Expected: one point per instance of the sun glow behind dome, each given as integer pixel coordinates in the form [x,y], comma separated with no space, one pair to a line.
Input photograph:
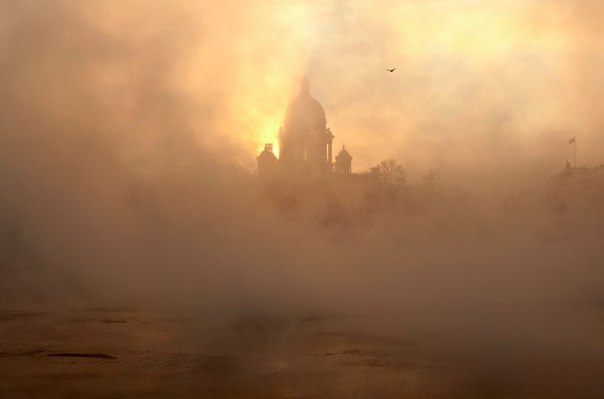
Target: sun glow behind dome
[269,134]
[459,64]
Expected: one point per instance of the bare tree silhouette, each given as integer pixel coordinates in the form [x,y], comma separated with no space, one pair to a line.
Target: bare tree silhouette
[391,176]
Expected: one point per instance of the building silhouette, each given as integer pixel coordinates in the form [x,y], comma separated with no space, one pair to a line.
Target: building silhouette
[579,187]
[305,141]
[267,161]
[343,165]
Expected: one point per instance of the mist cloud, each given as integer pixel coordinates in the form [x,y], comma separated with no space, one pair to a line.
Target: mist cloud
[128,136]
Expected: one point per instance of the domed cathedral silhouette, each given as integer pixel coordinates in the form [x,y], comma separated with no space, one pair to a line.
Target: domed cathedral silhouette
[305,141]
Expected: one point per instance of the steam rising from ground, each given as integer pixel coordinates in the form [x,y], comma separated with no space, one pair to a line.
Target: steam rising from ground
[128,130]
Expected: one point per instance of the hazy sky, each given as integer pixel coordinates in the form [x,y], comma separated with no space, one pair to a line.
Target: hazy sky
[125,126]
[483,89]
[492,85]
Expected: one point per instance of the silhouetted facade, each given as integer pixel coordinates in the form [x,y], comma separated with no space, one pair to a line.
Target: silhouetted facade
[305,141]
[578,194]
[343,165]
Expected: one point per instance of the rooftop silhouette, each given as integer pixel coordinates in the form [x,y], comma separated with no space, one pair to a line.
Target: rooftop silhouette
[305,141]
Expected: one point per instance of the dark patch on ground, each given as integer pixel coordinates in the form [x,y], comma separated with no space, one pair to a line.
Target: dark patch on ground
[85,355]
[374,340]
[350,352]
[22,353]
[104,321]
[113,321]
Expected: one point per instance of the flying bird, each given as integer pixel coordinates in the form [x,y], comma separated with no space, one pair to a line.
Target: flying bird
[391,70]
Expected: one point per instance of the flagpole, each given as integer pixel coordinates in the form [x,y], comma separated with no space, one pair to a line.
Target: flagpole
[575,151]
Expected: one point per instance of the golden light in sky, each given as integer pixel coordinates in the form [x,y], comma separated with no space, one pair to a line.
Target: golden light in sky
[453,250]
[464,68]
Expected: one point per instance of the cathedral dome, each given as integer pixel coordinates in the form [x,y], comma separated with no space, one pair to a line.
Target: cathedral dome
[343,155]
[304,114]
[304,139]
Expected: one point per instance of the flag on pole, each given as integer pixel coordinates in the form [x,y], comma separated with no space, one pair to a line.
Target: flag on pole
[573,141]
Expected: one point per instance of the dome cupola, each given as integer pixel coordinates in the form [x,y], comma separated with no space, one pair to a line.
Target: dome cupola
[343,163]
[304,113]
[305,139]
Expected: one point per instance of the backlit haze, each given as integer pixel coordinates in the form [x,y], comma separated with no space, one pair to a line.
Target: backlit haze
[129,131]
[499,84]
[496,86]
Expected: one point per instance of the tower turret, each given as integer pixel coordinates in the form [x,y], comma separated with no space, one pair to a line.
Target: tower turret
[343,165]
[267,161]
